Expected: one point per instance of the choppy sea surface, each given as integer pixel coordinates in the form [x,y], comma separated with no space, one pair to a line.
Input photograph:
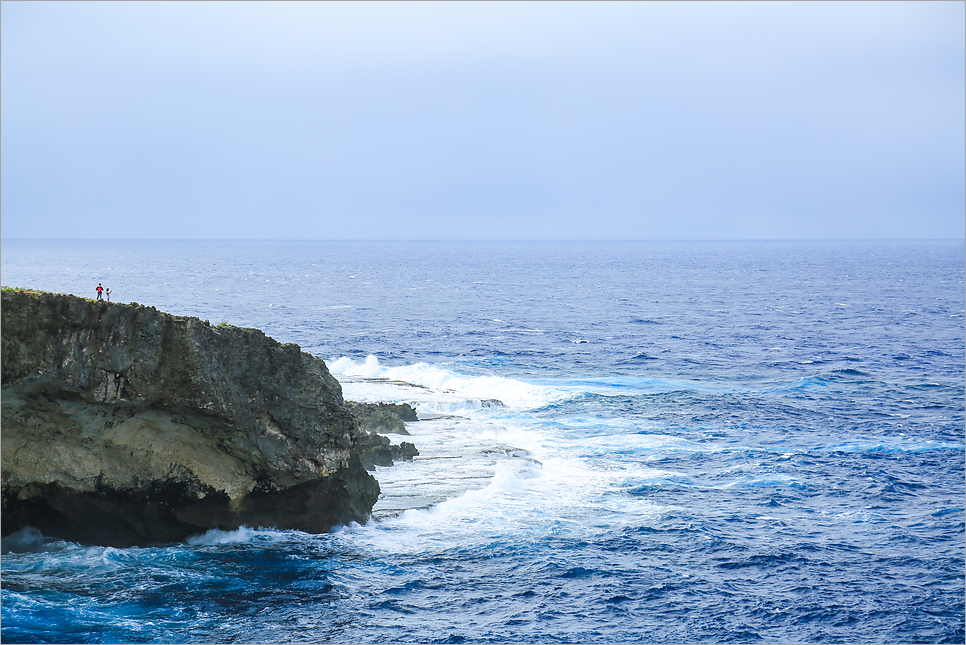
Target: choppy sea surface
[619,442]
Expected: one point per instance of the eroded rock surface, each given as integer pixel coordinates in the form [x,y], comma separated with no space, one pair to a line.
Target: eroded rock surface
[383,418]
[378,419]
[123,425]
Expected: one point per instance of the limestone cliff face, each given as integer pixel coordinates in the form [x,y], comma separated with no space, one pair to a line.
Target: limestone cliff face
[124,425]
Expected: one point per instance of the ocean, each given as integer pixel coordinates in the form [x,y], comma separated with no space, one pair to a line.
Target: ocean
[651,442]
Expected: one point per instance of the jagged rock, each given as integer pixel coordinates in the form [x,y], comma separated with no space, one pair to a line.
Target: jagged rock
[376,450]
[383,418]
[123,425]
[405,451]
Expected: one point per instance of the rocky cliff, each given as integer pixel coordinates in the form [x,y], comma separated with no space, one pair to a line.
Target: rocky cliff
[123,425]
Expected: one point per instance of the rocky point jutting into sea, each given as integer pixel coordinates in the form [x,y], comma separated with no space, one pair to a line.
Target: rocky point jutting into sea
[123,425]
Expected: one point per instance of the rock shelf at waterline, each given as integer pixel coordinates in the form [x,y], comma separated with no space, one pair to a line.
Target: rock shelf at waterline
[123,426]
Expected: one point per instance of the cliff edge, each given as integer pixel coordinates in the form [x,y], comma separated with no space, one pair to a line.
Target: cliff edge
[123,425]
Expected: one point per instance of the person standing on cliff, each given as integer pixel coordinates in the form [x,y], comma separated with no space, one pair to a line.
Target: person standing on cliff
[100,289]
[107,292]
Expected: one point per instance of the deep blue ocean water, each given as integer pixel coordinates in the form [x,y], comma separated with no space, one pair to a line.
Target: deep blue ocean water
[698,442]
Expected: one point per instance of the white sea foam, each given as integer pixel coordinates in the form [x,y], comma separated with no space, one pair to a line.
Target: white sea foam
[476,478]
[520,497]
[452,391]
[214,536]
[508,480]
[487,469]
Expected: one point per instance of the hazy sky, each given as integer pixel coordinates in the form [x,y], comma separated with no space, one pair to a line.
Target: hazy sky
[483,120]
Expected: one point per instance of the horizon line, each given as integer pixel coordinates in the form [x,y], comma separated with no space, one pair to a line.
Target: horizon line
[467,239]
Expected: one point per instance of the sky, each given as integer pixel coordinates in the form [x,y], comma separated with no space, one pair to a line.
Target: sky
[478,120]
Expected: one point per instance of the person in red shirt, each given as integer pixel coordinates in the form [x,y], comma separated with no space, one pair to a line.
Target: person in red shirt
[100,289]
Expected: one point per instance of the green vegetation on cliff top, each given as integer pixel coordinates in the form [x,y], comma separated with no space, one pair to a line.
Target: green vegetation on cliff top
[28,290]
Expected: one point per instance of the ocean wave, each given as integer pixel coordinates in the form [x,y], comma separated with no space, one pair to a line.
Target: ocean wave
[214,536]
[460,391]
[894,446]
[26,539]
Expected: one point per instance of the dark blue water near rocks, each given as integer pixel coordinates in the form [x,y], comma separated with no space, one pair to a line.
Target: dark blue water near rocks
[698,442]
